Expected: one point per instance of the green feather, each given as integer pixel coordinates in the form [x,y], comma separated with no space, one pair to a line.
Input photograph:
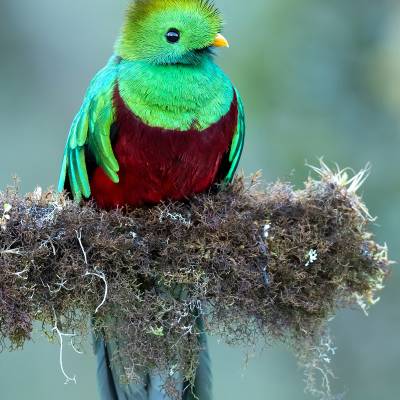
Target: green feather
[72,136]
[75,187]
[82,130]
[238,141]
[91,129]
[140,37]
[80,162]
[174,97]
[63,174]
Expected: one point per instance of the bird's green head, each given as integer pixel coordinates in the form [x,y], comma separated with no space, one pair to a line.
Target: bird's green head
[170,31]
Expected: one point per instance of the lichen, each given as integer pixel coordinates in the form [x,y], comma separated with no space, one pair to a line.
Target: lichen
[274,264]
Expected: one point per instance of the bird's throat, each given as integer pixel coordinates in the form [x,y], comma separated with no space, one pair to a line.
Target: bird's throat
[178,97]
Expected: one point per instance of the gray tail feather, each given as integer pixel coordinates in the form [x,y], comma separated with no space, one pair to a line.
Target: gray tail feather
[202,389]
[105,379]
[110,388]
[108,380]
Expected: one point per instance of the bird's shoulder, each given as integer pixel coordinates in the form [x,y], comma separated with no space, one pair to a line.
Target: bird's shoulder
[103,82]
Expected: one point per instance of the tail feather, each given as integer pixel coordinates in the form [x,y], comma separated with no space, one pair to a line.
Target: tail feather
[105,379]
[110,388]
[108,380]
[156,389]
[202,389]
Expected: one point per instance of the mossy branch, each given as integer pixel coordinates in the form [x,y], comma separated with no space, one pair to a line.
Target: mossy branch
[275,264]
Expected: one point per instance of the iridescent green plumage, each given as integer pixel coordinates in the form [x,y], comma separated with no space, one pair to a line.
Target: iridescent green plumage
[142,35]
[91,127]
[238,141]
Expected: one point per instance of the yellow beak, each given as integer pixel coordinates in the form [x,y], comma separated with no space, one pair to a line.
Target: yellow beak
[220,41]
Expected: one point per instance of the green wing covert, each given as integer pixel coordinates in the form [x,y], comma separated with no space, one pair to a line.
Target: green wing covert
[91,128]
[238,141]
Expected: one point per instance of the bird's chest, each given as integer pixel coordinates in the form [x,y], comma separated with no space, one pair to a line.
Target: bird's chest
[158,164]
[175,97]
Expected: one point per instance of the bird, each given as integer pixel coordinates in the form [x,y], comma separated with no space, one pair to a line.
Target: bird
[161,121]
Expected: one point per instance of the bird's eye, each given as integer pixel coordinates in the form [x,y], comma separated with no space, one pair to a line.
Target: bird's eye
[173,35]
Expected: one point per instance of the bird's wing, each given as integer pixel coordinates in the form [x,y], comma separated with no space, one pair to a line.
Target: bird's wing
[237,142]
[90,130]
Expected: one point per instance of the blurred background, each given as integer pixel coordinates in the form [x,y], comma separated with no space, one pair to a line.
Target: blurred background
[318,78]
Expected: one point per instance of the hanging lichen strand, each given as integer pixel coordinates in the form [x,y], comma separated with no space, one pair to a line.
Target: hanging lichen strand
[273,264]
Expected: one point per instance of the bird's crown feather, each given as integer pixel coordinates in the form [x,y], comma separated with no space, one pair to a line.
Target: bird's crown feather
[139,9]
[169,31]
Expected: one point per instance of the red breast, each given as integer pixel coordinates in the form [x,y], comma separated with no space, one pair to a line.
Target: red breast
[159,164]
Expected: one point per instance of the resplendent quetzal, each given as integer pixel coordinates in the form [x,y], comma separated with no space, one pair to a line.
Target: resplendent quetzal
[161,121]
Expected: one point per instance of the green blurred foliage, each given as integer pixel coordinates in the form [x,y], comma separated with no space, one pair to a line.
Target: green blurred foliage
[318,78]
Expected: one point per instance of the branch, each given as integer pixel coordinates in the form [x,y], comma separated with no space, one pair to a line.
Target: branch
[275,263]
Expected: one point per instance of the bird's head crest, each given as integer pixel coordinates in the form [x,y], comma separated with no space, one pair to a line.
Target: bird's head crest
[170,31]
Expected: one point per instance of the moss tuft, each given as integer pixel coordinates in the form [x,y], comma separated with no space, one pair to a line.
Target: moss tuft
[275,264]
